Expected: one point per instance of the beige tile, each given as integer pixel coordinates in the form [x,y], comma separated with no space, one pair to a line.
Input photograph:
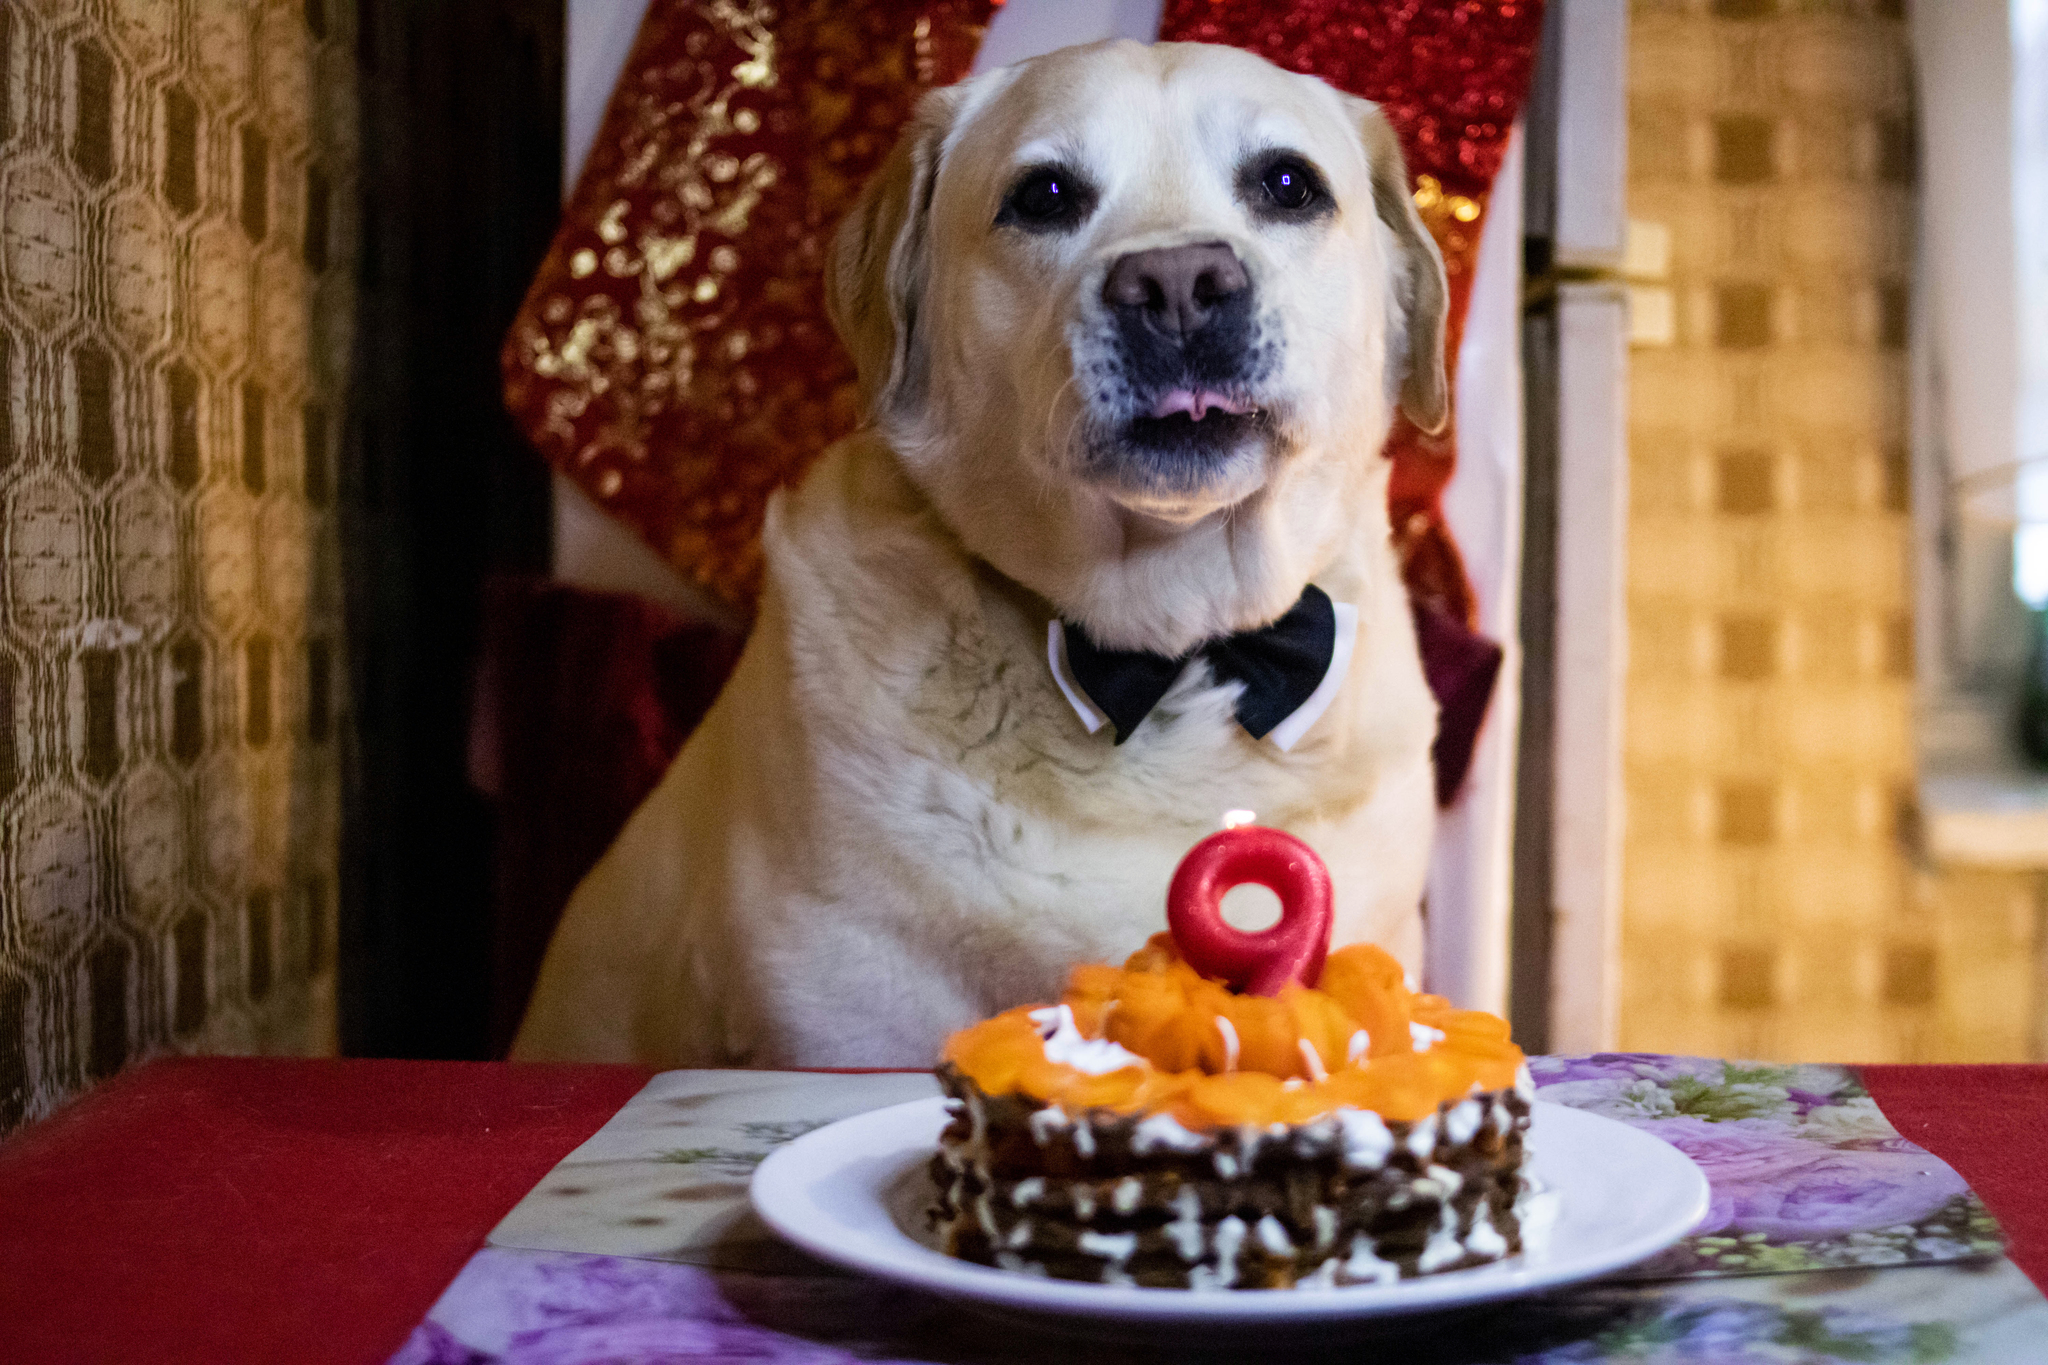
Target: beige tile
[1847,229]
[1848,64]
[1770,909]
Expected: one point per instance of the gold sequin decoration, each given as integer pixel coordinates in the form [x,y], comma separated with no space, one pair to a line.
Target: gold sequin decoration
[673,356]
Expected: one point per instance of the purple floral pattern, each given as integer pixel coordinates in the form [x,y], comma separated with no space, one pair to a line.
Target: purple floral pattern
[541,1309]
[1806,1172]
[560,1308]
[1735,1332]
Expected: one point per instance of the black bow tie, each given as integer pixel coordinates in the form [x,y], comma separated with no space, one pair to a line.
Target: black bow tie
[1281,665]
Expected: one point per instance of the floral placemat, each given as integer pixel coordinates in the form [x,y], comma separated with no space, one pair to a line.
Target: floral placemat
[1806,1171]
[666,1177]
[1831,1240]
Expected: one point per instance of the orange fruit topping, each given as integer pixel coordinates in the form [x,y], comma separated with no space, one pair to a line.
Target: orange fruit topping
[1210,1057]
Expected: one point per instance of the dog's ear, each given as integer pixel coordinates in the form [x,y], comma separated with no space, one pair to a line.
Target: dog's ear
[876,272]
[1421,297]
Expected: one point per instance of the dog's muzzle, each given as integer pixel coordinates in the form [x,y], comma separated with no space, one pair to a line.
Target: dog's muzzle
[1191,359]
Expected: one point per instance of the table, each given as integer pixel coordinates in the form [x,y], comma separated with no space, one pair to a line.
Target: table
[225,1209]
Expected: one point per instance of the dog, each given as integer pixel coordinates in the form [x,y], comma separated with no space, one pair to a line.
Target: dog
[1131,323]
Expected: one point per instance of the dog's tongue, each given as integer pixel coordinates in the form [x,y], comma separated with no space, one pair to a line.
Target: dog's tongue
[1196,403]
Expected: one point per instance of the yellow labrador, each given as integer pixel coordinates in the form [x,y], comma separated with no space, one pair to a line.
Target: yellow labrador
[1131,325]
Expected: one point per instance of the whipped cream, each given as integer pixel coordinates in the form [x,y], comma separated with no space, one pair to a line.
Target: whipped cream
[1066,1046]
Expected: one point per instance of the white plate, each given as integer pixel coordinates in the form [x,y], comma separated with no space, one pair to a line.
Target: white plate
[855,1193]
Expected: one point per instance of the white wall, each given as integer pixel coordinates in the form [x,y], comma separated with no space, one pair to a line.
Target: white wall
[1472,865]
[2030,262]
[600,35]
[1587,796]
[1591,639]
[1965,358]
[1026,28]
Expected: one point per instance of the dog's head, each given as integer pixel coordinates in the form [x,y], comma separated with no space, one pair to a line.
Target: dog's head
[1137,319]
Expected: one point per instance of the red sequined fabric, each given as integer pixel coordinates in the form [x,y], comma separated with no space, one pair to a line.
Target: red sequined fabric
[673,355]
[1451,76]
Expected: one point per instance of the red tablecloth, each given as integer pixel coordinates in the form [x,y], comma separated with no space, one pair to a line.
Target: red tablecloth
[1991,1124]
[226,1210]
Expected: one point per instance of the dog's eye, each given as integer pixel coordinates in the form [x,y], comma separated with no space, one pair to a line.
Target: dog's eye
[1290,184]
[1049,198]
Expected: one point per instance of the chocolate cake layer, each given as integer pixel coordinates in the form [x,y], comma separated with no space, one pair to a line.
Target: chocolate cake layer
[1345,1199]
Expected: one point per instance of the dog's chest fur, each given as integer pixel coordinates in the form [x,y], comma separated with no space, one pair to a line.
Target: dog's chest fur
[892,825]
[971,818]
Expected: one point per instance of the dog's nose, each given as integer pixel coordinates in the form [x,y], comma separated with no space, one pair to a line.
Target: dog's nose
[1175,288]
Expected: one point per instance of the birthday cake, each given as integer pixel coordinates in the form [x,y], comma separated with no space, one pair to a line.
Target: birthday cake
[1159,1127]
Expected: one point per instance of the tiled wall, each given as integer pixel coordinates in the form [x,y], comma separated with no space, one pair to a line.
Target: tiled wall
[1771,906]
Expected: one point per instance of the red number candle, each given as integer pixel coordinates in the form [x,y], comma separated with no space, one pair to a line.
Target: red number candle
[1261,963]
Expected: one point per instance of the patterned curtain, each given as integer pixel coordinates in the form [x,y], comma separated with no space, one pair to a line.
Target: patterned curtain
[175,310]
